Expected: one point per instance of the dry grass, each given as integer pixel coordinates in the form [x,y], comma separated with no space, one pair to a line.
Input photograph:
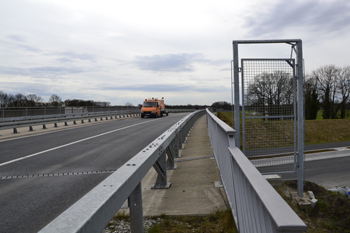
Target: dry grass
[331,213]
[316,131]
[217,222]
[323,131]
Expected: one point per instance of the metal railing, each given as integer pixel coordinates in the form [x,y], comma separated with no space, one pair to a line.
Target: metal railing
[10,112]
[93,211]
[30,121]
[255,205]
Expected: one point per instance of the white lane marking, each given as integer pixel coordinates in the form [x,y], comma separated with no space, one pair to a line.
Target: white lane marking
[72,128]
[85,139]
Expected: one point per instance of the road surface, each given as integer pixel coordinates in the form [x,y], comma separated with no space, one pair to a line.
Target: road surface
[42,175]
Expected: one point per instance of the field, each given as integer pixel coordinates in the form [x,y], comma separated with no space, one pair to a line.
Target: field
[316,131]
[320,117]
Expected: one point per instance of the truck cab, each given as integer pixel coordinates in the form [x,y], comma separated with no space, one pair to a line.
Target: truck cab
[153,107]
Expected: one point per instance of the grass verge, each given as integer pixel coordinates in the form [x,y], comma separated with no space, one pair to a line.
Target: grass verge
[316,131]
[219,221]
[331,213]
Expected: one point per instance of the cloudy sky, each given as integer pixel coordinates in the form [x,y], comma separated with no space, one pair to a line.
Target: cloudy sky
[125,51]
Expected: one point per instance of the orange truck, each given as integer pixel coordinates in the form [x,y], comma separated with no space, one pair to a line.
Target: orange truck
[153,108]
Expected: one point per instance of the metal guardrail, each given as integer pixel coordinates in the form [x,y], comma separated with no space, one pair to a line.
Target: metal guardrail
[30,121]
[8,112]
[255,205]
[181,110]
[93,211]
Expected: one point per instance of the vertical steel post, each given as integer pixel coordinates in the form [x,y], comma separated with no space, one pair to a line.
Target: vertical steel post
[236,88]
[232,92]
[300,119]
[243,108]
[160,166]
[170,162]
[136,213]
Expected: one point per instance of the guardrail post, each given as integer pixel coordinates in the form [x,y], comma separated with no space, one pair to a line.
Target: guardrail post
[44,126]
[160,166]
[175,146]
[65,123]
[55,125]
[31,128]
[15,130]
[170,162]
[136,213]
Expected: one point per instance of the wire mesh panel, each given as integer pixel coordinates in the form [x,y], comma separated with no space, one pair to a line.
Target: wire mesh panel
[269,111]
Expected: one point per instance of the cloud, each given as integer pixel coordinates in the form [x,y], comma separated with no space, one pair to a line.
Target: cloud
[19,41]
[315,16]
[40,71]
[174,62]
[163,88]
[17,38]
[168,62]
[70,56]
[29,48]
[64,59]
[80,56]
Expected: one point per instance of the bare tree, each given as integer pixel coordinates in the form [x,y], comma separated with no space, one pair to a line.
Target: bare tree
[34,100]
[311,98]
[327,77]
[129,104]
[55,100]
[3,97]
[20,100]
[343,84]
[271,92]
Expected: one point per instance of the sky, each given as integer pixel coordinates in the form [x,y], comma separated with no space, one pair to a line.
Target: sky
[126,51]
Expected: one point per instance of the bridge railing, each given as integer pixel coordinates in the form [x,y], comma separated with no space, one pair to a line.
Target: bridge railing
[93,211]
[255,205]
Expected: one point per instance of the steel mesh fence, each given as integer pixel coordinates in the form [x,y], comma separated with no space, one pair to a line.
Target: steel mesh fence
[269,111]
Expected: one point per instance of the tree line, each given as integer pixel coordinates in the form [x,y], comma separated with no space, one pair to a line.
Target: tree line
[326,88]
[33,100]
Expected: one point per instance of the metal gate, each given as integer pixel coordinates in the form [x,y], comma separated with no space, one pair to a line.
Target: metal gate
[269,115]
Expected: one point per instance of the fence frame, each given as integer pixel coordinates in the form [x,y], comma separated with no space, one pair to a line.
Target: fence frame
[297,48]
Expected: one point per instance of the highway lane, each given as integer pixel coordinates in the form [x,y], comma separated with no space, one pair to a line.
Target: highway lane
[57,178]
[326,172]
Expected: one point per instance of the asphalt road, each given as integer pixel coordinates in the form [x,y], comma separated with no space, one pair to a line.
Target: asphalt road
[43,175]
[326,172]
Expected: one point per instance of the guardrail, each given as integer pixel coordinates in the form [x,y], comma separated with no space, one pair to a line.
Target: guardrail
[181,110]
[8,112]
[255,205]
[30,121]
[93,211]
